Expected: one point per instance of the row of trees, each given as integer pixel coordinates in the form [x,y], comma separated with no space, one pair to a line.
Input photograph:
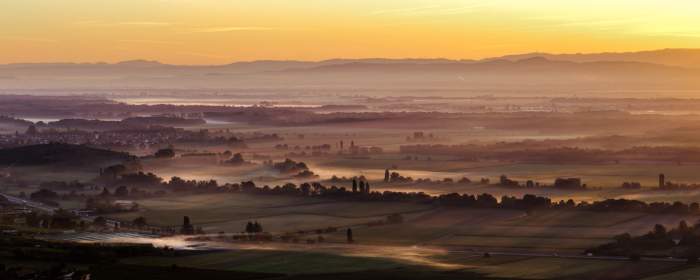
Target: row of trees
[188,228]
[363,186]
[680,242]
[395,177]
[564,153]
[361,191]
[253,227]
[526,202]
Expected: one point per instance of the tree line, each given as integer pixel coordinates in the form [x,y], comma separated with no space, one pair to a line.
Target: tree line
[362,192]
[680,242]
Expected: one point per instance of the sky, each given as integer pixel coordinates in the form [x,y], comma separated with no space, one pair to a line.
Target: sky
[224,31]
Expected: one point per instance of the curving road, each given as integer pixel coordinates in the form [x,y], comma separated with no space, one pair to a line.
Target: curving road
[28,203]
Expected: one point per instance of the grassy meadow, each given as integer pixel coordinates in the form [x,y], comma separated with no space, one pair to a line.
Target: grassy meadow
[424,225]
[230,212]
[295,262]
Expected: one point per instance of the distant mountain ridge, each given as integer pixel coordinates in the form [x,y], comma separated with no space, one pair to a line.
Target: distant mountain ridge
[670,69]
[688,58]
[535,63]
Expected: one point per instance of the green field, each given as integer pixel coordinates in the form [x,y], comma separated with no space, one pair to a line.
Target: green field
[691,273]
[230,212]
[287,262]
[553,230]
[558,268]
[559,231]
[495,267]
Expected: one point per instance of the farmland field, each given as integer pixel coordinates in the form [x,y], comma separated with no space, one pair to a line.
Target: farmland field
[563,231]
[230,212]
[691,273]
[558,268]
[288,262]
[315,260]
[551,230]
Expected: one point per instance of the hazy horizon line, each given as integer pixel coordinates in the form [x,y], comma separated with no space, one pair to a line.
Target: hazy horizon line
[144,60]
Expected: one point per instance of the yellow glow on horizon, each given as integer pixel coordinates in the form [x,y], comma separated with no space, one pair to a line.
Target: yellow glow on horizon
[223,31]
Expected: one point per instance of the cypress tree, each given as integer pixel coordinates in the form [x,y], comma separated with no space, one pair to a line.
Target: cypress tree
[187,227]
[258,227]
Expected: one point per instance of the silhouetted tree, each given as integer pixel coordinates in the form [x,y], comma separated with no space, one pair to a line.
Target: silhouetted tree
[139,222]
[237,159]
[386,175]
[683,227]
[305,189]
[187,227]
[44,194]
[354,185]
[694,207]
[121,191]
[659,231]
[105,192]
[257,227]
[31,130]
[249,227]
[253,227]
[348,234]
[165,153]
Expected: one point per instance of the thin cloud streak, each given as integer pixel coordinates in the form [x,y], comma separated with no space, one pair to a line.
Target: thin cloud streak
[145,23]
[431,10]
[28,39]
[560,22]
[124,23]
[234,28]
[150,42]
[404,10]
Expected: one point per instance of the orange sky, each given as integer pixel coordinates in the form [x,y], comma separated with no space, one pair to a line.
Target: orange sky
[223,31]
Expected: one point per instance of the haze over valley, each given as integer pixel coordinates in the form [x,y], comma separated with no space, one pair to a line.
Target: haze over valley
[413,139]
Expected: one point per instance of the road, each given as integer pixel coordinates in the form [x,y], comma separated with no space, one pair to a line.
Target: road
[40,207]
[28,203]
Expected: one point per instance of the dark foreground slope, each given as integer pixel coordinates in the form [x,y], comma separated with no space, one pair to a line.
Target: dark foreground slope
[135,272]
[56,153]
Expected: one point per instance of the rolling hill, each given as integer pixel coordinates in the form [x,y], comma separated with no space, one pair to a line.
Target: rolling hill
[63,154]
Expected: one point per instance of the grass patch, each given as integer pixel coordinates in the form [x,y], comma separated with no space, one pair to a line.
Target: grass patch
[287,262]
